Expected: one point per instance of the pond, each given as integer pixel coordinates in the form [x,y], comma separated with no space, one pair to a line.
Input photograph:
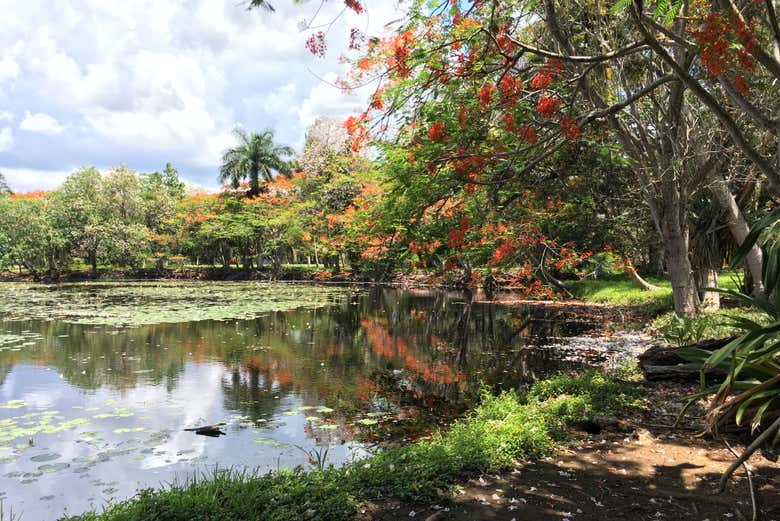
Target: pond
[98,381]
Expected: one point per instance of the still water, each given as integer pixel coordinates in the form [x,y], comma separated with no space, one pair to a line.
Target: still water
[98,381]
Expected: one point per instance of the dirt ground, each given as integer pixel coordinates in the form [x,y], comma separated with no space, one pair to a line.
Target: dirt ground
[646,471]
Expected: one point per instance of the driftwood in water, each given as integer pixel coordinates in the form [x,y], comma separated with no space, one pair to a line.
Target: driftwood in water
[213,431]
[661,362]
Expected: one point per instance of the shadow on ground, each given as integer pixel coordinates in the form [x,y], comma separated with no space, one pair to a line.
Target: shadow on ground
[638,476]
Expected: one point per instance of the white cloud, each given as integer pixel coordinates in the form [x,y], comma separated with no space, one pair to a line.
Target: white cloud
[6,116]
[146,82]
[325,99]
[41,123]
[25,179]
[6,139]
[9,69]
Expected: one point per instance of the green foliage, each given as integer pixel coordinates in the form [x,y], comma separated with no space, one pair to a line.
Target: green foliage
[685,330]
[713,324]
[500,431]
[751,360]
[29,236]
[4,188]
[592,393]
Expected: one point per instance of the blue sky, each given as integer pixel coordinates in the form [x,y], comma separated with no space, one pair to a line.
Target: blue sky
[145,82]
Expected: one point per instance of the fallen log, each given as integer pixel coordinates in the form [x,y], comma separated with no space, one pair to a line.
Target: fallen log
[662,362]
[679,371]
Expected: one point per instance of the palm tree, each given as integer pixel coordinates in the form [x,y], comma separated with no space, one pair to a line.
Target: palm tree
[255,155]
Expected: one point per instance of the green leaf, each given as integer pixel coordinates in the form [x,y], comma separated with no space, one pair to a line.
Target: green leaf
[620,6]
[771,393]
[673,12]
[760,414]
[694,354]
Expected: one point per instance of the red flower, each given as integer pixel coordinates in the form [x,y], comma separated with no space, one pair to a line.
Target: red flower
[376,100]
[570,128]
[511,88]
[528,134]
[354,5]
[740,84]
[485,94]
[553,65]
[746,61]
[541,80]
[436,132]
[463,115]
[509,121]
[316,44]
[352,123]
[548,105]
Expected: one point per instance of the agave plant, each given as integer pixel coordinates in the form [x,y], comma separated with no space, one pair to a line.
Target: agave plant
[750,393]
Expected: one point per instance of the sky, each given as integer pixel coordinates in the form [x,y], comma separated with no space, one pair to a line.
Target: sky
[145,82]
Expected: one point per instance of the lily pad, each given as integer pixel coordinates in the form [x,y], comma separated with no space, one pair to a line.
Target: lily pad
[120,304]
[53,467]
[13,404]
[124,430]
[49,456]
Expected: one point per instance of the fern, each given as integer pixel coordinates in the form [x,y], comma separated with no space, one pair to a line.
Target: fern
[673,11]
[661,8]
[620,6]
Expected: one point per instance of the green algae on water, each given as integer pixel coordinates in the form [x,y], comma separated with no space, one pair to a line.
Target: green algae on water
[147,303]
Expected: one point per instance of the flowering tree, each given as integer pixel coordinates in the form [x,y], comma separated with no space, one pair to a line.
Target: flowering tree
[490,94]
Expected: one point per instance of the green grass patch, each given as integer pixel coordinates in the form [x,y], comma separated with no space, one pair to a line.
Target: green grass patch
[621,290]
[501,430]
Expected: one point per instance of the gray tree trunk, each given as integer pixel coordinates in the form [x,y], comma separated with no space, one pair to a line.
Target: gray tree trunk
[739,229]
[708,278]
[686,298]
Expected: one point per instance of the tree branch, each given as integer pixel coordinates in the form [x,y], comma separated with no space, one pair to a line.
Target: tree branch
[711,103]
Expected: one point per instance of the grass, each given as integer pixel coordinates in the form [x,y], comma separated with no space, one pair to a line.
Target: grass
[621,290]
[498,432]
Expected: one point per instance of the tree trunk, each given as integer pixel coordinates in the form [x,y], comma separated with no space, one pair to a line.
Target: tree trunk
[739,229]
[655,254]
[93,260]
[32,270]
[708,278]
[254,182]
[227,254]
[686,299]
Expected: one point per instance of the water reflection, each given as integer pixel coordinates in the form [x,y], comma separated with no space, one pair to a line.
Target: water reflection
[78,402]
